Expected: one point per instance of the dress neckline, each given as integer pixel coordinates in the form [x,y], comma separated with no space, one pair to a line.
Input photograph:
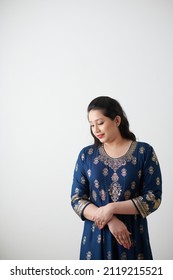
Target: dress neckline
[126,155]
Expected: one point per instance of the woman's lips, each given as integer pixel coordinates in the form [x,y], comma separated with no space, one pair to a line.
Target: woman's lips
[100,136]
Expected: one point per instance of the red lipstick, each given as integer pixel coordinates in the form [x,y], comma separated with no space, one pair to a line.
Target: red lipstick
[100,136]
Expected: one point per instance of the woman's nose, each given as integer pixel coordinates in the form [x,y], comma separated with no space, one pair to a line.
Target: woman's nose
[97,129]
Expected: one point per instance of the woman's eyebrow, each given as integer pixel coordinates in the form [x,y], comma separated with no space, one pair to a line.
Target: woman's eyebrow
[96,120]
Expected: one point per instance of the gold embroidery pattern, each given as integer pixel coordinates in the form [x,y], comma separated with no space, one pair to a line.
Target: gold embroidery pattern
[109,255]
[115,188]
[94,195]
[133,242]
[151,170]
[116,163]
[83,180]
[76,168]
[157,181]
[99,238]
[89,172]
[124,172]
[133,185]
[143,206]
[103,195]
[93,227]
[150,196]
[124,256]
[154,158]
[88,255]
[96,160]
[140,256]
[105,172]
[139,174]
[80,203]
[141,150]
[115,177]
[96,184]
[82,157]
[76,190]
[134,161]
[90,151]
[157,204]
[84,240]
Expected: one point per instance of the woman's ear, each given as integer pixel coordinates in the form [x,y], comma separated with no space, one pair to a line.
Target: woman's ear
[117,120]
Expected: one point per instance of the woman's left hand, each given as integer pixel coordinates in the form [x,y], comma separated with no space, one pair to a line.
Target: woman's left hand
[103,215]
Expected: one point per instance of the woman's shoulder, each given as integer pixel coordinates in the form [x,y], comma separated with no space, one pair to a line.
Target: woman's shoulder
[144,147]
[87,152]
[89,149]
[143,144]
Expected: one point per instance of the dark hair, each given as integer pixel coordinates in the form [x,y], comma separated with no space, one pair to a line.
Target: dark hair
[111,108]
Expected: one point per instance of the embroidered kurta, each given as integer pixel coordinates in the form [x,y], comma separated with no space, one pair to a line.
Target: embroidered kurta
[101,179]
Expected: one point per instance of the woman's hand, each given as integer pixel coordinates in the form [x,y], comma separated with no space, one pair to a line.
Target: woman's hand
[102,215]
[120,232]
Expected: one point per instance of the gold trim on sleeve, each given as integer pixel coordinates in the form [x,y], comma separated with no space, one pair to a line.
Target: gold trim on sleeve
[141,206]
[80,204]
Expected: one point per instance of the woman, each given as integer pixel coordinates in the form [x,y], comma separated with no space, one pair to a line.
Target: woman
[116,185]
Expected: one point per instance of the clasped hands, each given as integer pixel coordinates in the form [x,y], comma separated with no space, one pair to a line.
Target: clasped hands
[104,216]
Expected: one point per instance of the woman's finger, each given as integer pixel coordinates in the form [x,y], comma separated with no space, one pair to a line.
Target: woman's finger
[124,240]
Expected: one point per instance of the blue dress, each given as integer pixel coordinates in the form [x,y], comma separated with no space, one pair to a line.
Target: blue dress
[100,179]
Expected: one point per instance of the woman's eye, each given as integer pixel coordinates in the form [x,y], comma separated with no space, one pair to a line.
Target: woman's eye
[92,125]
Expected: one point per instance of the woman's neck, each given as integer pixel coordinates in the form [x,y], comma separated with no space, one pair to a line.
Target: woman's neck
[118,147]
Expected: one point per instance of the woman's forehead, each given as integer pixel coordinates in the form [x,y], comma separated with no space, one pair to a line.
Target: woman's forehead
[95,115]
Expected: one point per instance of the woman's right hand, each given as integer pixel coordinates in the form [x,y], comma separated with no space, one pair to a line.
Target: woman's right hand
[120,232]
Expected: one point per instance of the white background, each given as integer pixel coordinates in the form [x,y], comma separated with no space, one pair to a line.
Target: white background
[55,57]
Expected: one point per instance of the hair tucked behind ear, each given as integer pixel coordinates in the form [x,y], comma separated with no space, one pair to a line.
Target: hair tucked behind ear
[111,108]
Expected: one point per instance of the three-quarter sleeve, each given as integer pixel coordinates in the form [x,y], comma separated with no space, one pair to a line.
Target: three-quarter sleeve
[150,197]
[80,187]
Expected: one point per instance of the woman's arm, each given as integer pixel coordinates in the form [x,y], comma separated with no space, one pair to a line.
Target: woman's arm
[90,211]
[103,214]
[123,207]
[116,226]
[80,187]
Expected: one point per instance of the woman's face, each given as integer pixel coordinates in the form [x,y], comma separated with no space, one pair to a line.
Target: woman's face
[103,128]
